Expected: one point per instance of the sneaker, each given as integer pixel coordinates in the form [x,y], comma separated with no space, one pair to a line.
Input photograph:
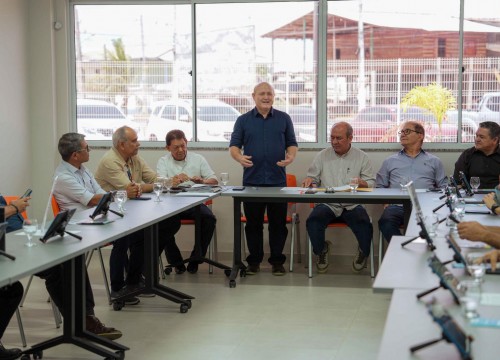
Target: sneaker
[252,269]
[359,261]
[9,354]
[131,300]
[322,260]
[192,268]
[95,326]
[278,270]
[146,293]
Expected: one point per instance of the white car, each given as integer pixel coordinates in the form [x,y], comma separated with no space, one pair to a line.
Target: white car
[98,120]
[215,119]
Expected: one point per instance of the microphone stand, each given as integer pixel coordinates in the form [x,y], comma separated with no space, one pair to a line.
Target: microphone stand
[422,234]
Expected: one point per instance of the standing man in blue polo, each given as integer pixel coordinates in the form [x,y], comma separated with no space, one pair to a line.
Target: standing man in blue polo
[267,138]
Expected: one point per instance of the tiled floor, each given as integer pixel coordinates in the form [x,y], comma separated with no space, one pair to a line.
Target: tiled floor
[331,316]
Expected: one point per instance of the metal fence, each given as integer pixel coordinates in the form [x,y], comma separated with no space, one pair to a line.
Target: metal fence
[133,86]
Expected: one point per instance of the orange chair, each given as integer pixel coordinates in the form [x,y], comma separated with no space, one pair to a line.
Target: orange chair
[291,218]
[344,225]
[212,249]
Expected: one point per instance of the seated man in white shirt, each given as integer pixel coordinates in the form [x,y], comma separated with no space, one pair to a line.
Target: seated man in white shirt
[186,169]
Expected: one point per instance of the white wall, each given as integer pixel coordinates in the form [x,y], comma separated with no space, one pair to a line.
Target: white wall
[15,124]
[34,113]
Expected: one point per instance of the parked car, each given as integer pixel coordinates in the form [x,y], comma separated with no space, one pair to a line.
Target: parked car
[379,124]
[215,120]
[166,116]
[488,109]
[98,119]
[304,122]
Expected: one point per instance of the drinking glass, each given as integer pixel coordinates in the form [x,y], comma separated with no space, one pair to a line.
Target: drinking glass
[224,178]
[403,182]
[431,224]
[474,183]
[158,188]
[167,183]
[120,198]
[470,297]
[30,227]
[475,266]
[353,184]
[459,207]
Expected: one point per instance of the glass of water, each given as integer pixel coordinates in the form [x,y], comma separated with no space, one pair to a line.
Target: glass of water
[224,178]
[470,297]
[459,207]
[120,198]
[474,183]
[475,266]
[30,227]
[353,184]
[158,188]
[403,182]
[431,224]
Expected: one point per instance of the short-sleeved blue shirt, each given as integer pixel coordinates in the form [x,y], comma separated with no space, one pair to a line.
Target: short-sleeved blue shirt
[266,141]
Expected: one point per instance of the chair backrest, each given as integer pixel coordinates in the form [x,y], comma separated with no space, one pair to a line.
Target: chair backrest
[8,199]
[55,206]
[291,180]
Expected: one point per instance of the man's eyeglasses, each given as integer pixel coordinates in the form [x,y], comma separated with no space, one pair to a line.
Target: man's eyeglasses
[87,149]
[408,131]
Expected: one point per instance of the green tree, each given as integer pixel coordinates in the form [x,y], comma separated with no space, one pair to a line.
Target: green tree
[434,98]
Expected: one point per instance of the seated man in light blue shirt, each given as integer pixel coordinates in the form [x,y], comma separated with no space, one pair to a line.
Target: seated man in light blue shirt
[412,163]
[76,188]
[186,168]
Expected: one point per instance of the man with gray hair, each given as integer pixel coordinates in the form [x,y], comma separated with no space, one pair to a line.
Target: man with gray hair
[332,167]
[412,163]
[122,169]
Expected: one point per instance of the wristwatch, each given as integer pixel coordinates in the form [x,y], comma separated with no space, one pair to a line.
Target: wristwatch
[494,209]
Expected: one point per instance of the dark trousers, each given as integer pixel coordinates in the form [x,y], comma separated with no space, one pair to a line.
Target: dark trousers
[357,219]
[54,283]
[10,297]
[391,220]
[254,231]
[120,263]
[169,227]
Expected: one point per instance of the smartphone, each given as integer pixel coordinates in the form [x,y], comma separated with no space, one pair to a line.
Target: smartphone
[238,188]
[26,193]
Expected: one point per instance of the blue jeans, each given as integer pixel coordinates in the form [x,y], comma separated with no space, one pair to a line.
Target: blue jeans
[357,219]
[391,220]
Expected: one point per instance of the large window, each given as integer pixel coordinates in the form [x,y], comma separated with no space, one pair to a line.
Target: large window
[193,66]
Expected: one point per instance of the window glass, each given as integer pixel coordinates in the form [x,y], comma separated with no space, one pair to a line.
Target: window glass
[134,66]
[380,51]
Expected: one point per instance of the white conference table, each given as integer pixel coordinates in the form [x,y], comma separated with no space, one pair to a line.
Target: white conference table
[409,324]
[276,194]
[69,251]
[405,272]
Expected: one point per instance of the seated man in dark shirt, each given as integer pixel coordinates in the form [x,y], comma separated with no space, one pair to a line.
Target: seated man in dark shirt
[483,159]
[53,277]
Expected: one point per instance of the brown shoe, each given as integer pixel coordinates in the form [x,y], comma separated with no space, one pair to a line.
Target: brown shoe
[95,326]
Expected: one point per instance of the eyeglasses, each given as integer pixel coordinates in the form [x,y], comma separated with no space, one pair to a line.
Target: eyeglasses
[87,149]
[408,131]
